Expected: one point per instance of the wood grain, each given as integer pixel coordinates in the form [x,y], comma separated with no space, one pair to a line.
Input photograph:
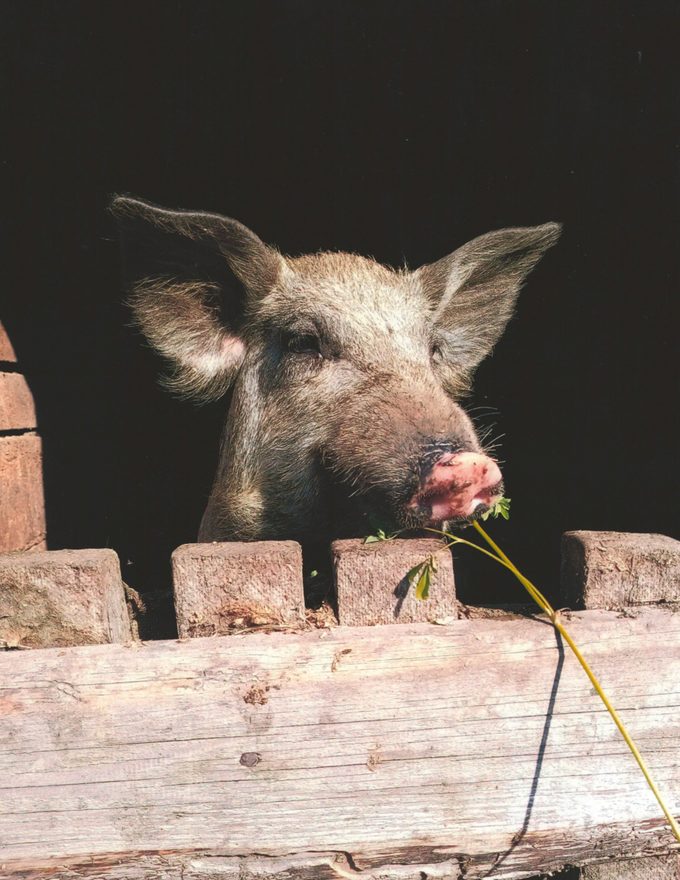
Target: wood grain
[470,750]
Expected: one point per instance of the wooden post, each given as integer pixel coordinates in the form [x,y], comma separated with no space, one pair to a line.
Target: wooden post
[619,570]
[223,587]
[372,587]
[22,508]
[56,598]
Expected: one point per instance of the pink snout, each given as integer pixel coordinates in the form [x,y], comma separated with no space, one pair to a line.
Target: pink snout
[456,486]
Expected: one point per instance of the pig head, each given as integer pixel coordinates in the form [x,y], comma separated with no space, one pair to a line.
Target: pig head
[345,375]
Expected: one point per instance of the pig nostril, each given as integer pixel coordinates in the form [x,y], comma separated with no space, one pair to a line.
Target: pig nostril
[435,451]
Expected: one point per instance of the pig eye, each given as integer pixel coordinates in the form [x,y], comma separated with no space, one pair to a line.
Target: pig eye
[305,343]
[436,353]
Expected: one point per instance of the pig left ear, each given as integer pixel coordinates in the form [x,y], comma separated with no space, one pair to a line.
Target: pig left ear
[190,277]
[473,290]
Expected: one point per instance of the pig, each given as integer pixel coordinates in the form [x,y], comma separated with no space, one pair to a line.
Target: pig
[344,377]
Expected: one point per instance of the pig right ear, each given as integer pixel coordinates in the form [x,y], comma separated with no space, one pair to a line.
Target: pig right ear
[190,277]
[472,292]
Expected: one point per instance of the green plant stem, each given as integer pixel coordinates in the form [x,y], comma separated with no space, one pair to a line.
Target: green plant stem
[454,539]
[543,603]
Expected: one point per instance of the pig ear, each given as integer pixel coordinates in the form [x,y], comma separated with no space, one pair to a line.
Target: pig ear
[473,291]
[190,277]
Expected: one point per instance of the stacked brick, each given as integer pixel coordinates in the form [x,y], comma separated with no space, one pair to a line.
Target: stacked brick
[22,506]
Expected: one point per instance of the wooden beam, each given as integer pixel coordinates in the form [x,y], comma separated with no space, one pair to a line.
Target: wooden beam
[468,750]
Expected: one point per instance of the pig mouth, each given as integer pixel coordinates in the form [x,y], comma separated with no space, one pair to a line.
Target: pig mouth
[436,506]
[460,487]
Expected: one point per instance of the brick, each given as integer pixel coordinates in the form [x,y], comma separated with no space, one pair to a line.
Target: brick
[371,585]
[6,350]
[222,587]
[22,503]
[17,410]
[617,569]
[62,598]
[654,868]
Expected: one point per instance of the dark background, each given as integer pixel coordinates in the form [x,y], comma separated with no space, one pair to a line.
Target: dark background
[398,129]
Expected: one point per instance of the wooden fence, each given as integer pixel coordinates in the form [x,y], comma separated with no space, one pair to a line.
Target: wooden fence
[441,742]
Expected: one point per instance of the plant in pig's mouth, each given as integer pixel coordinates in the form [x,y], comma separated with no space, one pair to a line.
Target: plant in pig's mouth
[420,577]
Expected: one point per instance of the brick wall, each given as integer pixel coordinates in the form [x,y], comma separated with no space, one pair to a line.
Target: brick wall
[22,505]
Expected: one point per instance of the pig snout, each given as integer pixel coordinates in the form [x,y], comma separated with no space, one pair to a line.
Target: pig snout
[456,485]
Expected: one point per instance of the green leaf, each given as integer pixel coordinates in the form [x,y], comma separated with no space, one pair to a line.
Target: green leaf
[414,573]
[380,535]
[420,578]
[500,508]
[423,586]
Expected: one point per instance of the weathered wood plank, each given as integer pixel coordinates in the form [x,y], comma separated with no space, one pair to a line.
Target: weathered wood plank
[399,751]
